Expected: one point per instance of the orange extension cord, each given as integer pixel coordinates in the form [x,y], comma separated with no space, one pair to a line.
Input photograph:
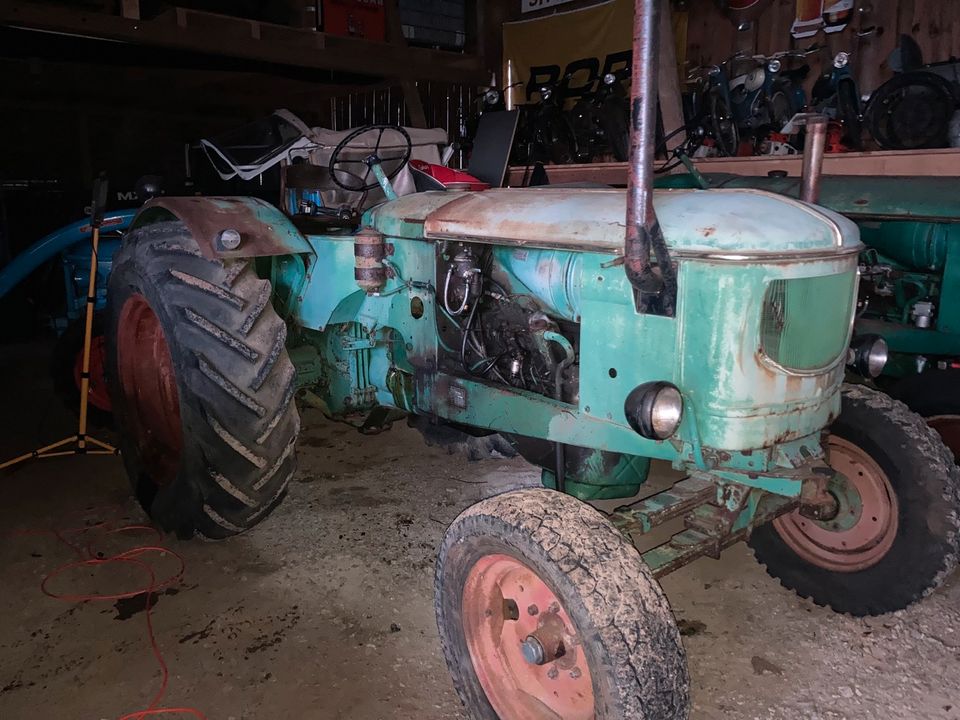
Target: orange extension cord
[89,558]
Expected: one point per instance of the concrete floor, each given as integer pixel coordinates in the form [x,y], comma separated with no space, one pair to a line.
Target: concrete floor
[325,610]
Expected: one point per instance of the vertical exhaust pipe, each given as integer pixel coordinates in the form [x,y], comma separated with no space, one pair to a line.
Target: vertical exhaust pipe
[656,290]
[813,150]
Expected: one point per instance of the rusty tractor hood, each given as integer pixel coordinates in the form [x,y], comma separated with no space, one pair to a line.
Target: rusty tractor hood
[730,223]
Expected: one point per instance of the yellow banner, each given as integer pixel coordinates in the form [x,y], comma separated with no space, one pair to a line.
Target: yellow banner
[585,44]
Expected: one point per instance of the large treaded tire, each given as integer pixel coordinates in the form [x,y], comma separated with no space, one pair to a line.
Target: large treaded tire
[233,377]
[628,633]
[926,483]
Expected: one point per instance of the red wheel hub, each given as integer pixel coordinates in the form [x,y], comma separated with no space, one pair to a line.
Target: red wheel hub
[866,524]
[97,393]
[149,389]
[524,648]
[948,427]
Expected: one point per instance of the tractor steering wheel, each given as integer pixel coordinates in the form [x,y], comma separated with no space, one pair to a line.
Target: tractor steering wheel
[357,181]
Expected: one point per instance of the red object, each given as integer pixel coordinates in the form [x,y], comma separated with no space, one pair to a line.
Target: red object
[859,537]
[495,630]
[140,556]
[448,176]
[834,142]
[355,18]
[98,395]
[149,388]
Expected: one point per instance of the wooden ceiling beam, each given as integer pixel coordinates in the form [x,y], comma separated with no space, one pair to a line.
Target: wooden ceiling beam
[213,34]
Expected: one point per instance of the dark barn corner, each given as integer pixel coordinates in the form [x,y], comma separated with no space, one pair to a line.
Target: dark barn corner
[506,360]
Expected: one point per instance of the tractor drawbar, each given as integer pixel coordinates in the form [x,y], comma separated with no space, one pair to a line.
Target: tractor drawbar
[655,292]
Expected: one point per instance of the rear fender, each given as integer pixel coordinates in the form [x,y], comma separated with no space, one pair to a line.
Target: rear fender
[264,230]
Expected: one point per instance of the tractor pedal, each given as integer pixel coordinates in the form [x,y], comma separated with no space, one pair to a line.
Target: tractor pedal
[647,514]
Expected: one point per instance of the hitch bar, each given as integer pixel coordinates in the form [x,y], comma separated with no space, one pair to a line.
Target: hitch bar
[715,517]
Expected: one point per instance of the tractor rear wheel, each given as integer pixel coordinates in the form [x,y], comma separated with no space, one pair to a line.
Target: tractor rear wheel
[201,383]
[546,612]
[896,535]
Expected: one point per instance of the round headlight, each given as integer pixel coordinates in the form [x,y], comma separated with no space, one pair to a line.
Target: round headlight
[545,93]
[774,66]
[609,79]
[868,355]
[491,97]
[841,60]
[654,409]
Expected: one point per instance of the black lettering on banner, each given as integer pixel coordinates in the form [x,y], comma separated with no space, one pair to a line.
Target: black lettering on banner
[617,61]
[541,75]
[576,70]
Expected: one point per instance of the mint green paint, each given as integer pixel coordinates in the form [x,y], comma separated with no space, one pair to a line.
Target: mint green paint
[910,225]
[742,414]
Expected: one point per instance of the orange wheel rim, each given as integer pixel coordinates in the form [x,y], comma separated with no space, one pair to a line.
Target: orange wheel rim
[149,388]
[864,531]
[508,610]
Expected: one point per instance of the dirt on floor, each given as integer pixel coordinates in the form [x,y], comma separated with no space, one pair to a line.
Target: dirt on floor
[325,610]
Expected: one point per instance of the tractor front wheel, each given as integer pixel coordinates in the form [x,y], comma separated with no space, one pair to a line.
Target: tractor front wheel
[546,612]
[895,536]
[201,383]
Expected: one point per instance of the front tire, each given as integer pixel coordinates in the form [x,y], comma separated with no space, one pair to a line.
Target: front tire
[539,564]
[895,538]
[201,383]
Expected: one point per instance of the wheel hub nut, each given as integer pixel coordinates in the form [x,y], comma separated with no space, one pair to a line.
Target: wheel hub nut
[229,239]
[533,651]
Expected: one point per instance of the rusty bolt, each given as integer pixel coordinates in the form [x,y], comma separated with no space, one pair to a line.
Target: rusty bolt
[553,673]
[575,673]
[533,651]
[533,610]
[229,239]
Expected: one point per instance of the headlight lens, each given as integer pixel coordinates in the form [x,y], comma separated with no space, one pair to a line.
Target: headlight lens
[868,355]
[774,66]
[545,93]
[609,79]
[654,409]
[491,97]
[841,60]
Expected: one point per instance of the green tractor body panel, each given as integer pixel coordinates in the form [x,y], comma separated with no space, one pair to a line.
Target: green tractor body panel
[910,289]
[766,291]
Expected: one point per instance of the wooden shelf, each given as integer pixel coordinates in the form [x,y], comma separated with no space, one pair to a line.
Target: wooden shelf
[228,36]
[936,163]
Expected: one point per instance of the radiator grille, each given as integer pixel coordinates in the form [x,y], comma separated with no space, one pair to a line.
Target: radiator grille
[806,321]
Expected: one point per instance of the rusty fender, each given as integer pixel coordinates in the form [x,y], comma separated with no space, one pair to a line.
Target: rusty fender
[259,229]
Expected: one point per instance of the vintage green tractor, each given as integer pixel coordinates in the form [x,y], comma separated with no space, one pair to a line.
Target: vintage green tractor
[909,279]
[589,330]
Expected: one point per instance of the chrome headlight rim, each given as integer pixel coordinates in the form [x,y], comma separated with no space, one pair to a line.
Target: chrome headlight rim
[868,355]
[654,409]
[609,79]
